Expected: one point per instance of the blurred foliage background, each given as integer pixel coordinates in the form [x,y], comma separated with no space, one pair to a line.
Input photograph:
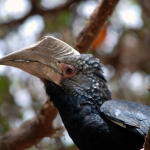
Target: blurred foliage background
[123,46]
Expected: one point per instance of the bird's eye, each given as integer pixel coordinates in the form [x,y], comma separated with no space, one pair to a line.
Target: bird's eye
[69,70]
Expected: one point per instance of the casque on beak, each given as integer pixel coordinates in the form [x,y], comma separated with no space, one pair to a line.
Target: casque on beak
[41,59]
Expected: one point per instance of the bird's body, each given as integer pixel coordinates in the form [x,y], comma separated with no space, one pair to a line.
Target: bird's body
[76,85]
[88,129]
[79,106]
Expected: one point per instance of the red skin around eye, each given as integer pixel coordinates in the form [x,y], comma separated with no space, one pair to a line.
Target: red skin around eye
[65,67]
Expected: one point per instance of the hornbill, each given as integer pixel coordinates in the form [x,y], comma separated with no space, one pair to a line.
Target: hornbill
[76,85]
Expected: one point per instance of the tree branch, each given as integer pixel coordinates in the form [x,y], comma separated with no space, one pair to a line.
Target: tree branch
[94,24]
[32,131]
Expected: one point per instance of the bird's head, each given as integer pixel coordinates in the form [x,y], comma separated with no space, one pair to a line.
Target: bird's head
[61,67]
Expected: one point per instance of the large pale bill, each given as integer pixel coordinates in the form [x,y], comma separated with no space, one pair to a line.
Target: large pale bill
[38,58]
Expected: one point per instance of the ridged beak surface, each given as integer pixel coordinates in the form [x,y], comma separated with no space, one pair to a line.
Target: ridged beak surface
[41,59]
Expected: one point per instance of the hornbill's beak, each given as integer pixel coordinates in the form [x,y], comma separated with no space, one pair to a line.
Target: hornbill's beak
[41,59]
